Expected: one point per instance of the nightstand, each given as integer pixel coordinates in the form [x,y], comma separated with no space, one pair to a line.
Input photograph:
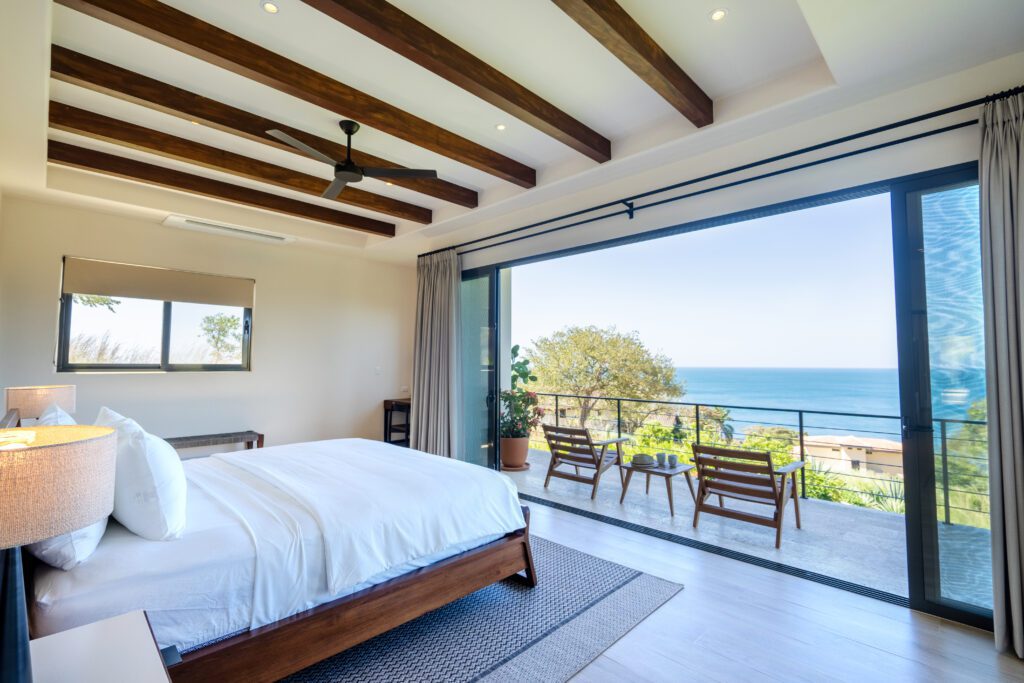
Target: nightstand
[116,650]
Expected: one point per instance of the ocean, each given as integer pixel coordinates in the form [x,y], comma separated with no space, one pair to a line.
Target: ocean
[865,391]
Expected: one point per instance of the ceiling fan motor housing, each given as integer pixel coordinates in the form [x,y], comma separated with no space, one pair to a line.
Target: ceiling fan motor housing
[348,172]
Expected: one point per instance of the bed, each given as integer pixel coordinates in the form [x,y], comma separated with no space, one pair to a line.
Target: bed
[293,553]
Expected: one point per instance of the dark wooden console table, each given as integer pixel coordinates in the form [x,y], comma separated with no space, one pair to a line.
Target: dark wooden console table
[249,438]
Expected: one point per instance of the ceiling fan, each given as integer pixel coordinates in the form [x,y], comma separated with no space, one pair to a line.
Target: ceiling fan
[347,171]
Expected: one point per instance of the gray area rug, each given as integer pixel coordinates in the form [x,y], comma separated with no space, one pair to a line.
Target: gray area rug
[507,631]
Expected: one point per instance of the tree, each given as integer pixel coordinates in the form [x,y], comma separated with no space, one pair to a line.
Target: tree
[223,333]
[779,441]
[594,362]
[720,418]
[96,301]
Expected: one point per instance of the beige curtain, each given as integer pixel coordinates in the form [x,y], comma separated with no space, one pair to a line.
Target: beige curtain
[1002,236]
[435,380]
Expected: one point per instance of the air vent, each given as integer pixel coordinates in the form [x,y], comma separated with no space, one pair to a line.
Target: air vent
[184,223]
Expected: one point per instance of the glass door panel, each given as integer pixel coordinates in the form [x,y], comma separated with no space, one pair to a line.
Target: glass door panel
[942,364]
[478,367]
[950,226]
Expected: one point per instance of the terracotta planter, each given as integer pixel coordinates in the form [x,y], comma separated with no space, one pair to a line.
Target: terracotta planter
[513,453]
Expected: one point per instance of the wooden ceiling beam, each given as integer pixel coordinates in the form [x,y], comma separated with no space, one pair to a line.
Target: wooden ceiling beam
[619,33]
[91,160]
[176,29]
[99,76]
[393,28]
[99,127]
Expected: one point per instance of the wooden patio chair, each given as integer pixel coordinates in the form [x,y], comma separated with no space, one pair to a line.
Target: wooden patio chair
[574,447]
[748,476]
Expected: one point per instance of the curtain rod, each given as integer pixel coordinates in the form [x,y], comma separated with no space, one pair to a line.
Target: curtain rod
[629,202]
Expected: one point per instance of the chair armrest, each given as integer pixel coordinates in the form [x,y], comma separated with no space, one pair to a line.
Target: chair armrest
[609,442]
[791,467]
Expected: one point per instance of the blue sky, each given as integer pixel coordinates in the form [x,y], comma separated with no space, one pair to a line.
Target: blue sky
[811,288]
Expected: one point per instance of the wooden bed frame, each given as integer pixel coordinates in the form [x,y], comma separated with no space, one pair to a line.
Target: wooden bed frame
[284,647]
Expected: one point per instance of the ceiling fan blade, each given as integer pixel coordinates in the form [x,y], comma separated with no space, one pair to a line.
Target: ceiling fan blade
[301,146]
[398,173]
[334,189]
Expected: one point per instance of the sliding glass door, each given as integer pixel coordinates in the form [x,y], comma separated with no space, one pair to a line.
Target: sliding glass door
[479,375]
[936,232]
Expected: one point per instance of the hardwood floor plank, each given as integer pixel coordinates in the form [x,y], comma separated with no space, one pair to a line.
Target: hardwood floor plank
[737,621]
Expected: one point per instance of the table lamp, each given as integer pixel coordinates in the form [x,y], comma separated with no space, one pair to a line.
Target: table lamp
[53,480]
[30,402]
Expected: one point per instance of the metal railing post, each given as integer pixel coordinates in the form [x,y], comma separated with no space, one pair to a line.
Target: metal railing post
[556,410]
[696,414]
[803,457]
[618,417]
[945,469]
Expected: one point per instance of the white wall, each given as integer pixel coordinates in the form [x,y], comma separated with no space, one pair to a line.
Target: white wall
[332,333]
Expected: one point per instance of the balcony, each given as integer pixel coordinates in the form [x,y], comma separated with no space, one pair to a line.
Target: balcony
[852,496]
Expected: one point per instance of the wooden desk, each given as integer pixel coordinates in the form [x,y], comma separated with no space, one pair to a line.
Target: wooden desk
[116,650]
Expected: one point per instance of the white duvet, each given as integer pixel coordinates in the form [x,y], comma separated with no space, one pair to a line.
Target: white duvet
[274,531]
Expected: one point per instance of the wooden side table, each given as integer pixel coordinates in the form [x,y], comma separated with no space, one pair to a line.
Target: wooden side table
[665,473]
[392,406]
[118,649]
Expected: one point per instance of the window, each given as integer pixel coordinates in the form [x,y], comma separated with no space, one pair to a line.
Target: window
[122,317]
[203,334]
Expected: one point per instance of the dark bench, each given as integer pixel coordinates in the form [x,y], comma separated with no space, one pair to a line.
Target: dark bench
[249,438]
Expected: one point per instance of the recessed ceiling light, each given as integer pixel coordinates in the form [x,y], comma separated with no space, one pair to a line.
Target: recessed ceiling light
[270,8]
[390,183]
[718,14]
[194,122]
[501,126]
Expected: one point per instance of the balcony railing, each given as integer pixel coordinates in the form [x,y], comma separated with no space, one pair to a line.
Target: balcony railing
[853,458]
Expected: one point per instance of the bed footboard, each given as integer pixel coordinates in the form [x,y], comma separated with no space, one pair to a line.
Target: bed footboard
[284,647]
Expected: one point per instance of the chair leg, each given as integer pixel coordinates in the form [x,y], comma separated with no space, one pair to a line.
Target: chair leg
[551,469]
[778,521]
[689,485]
[597,480]
[648,491]
[697,503]
[796,503]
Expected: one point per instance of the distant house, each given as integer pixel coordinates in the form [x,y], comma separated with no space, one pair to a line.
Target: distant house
[847,454]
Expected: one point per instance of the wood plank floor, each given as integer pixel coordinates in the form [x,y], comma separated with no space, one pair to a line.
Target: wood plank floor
[738,622]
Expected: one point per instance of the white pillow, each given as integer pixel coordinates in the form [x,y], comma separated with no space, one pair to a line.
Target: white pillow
[149,485]
[66,551]
[54,415]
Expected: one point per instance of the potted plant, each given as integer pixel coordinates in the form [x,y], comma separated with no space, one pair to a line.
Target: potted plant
[519,415]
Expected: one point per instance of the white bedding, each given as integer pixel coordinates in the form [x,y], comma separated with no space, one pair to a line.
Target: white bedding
[273,531]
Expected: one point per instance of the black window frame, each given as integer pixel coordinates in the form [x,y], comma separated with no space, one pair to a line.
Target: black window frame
[64,347]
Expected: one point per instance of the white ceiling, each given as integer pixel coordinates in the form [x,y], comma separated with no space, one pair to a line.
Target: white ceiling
[766,60]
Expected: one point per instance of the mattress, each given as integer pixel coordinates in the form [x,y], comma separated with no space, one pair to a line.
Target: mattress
[254,549]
